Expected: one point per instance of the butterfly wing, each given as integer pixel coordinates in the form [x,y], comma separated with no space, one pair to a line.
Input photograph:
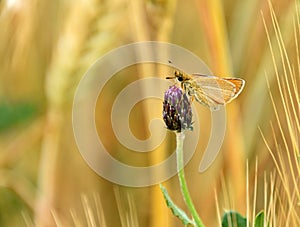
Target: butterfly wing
[213,91]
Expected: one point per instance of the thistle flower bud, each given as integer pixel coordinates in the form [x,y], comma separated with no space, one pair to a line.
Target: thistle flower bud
[177,111]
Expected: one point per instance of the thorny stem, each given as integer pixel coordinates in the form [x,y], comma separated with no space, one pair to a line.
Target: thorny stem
[184,189]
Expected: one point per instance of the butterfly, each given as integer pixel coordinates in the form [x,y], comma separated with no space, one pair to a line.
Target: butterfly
[210,91]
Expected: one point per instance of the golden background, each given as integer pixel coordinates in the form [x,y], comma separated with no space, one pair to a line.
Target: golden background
[47,46]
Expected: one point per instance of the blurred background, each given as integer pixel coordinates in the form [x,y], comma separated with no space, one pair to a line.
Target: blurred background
[47,46]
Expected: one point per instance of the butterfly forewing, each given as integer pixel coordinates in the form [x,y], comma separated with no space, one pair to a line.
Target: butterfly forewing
[213,91]
[239,84]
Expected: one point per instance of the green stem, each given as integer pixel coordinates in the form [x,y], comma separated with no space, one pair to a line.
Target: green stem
[184,189]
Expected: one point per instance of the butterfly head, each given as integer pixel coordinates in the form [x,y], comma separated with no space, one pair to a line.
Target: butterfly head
[179,76]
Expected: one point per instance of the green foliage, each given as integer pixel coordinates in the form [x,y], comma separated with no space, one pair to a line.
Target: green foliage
[259,219]
[13,114]
[10,208]
[233,218]
[175,209]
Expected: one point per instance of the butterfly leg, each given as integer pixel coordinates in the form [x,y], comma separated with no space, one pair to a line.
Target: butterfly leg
[192,98]
[190,92]
[183,86]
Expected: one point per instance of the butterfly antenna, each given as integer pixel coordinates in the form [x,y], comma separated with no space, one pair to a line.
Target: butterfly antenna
[170,77]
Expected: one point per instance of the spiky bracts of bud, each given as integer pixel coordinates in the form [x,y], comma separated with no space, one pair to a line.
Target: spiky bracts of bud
[177,111]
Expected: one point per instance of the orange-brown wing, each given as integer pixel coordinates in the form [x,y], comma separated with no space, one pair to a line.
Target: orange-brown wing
[239,84]
[213,91]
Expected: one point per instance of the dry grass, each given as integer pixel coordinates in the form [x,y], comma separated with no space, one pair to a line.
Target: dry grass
[285,130]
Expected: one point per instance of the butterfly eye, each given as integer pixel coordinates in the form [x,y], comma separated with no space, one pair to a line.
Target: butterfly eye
[180,79]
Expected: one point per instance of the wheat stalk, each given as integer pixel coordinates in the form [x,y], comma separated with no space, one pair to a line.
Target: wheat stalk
[68,64]
[285,154]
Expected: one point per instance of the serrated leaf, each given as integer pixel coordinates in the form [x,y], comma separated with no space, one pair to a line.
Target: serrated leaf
[259,219]
[233,218]
[175,209]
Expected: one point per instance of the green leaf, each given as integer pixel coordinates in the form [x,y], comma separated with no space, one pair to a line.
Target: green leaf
[233,218]
[13,114]
[175,209]
[259,219]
